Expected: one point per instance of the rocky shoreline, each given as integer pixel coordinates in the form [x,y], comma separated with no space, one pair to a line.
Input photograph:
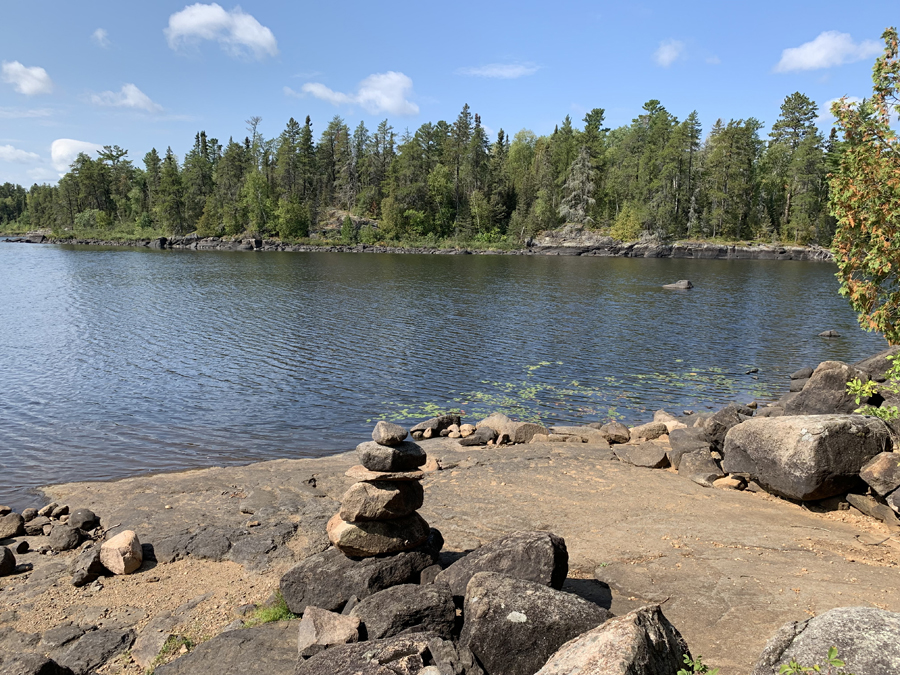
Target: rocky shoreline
[566,242]
[750,535]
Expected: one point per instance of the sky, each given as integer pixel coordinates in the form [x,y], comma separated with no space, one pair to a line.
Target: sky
[77,76]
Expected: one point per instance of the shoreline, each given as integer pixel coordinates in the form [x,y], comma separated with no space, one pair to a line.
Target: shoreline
[592,246]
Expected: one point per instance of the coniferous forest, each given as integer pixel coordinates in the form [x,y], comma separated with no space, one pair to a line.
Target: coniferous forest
[658,175]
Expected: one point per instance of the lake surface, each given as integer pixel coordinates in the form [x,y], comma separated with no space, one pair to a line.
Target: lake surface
[117,362]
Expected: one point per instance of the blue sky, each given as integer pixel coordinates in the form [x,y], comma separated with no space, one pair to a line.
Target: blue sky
[76,76]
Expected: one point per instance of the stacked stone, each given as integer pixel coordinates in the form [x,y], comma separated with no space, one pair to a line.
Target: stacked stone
[378,513]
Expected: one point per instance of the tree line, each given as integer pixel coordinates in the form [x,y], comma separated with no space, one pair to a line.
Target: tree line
[658,175]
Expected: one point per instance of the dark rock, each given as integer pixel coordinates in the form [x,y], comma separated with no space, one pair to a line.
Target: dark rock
[381,500]
[718,425]
[878,365]
[700,467]
[874,509]
[30,664]
[682,441]
[11,525]
[826,391]
[35,526]
[83,519]
[87,567]
[616,432]
[386,433]
[533,556]
[60,636]
[21,547]
[642,642]
[646,455]
[64,538]
[435,424]
[270,649]
[405,456]
[867,641]
[93,649]
[429,574]
[329,579]
[7,562]
[408,608]
[802,374]
[805,457]
[829,334]
[208,544]
[682,285]
[400,655]
[453,659]
[481,436]
[513,626]
[797,385]
[882,473]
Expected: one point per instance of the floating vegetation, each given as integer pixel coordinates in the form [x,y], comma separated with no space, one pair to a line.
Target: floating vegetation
[543,394]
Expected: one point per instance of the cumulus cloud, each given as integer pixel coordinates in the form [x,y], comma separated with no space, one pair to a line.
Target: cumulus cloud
[668,52]
[830,49]
[128,97]
[379,93]
[10,154]
[502,71]
[63,152]
[237,32]
[28,81]
[100,38]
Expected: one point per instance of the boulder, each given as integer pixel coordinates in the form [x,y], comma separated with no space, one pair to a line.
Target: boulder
[400,655]
[882,473]
[83,519]
[47,510]
[93,649]
[386,433]
[11,525]
[682,441]
[513,626]
[805,457]
[718,425]
[87,567]
[802,374]
[29,663]
[682,285]
[700,467]
[453,659]
[329,579]
[541,557]
[64,538]
[381,500]
[649,455]
[649,431]
[481,436]
[408,608]
[867,641]
[616,432]
[29,514]
[321,629]
[436,425]
[878,365]
[826,391]
[59,511]
[642,642]
[404,456]
[7,562]
[122,554]
[517,432]
[270,649]
[35,526]
[497,421]
[377,537]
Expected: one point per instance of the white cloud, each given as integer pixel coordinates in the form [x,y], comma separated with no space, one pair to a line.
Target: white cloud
[668,52]
[10,154]
[129,97]
[21,113]
[28,81]
[379,93]
[504,71]
[825,116]
[238,33]
[713,60]
[63,152]
[101,37]
[829,49]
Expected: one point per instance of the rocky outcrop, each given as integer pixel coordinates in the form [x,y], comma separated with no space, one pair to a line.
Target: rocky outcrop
[805,457]
[642,642]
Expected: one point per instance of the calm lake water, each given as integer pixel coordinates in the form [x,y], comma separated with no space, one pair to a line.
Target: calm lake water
[116,362]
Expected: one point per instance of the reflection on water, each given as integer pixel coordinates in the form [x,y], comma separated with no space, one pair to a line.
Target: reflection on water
[115,362]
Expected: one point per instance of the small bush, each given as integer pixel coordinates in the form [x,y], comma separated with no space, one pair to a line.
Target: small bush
[275,612]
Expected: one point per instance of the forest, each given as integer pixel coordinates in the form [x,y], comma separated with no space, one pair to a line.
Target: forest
[449,181]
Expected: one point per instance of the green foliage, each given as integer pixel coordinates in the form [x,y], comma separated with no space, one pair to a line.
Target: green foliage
[348,231]
[696,667]
[267,614]
[628,225]
[172,646]
[863,390]
[865,199]
[833,666]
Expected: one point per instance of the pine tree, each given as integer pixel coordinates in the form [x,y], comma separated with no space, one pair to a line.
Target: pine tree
[578,190]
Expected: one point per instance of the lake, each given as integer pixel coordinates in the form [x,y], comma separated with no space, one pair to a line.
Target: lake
[117,362]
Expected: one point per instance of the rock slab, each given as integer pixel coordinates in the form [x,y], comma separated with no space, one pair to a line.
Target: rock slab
[377,537]
[408,608]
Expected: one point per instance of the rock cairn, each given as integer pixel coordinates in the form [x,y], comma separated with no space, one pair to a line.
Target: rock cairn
[378,513]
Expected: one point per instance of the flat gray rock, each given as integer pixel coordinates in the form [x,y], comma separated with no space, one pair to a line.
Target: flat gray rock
[93,649]
[405,456]
[408,608]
